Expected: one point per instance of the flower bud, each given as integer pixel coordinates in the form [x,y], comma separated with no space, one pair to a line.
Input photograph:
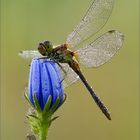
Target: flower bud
[44,82]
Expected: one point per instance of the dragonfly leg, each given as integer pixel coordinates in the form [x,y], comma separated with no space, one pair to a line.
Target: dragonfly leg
[43,57]
[65,73]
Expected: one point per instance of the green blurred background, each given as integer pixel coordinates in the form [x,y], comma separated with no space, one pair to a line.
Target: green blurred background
[25,23]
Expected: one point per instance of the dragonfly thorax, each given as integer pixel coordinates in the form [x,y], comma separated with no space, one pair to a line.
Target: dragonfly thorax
[62,54]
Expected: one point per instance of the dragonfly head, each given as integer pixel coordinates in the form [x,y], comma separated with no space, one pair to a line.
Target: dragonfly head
[45,48]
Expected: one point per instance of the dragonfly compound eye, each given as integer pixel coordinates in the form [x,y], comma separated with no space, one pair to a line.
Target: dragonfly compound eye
[42,49]
[47,44]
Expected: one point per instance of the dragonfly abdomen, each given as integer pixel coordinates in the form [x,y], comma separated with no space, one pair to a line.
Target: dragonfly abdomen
[94,96]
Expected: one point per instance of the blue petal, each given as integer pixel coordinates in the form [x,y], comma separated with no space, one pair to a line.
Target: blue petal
[35,85]
[45,81]
[53,82]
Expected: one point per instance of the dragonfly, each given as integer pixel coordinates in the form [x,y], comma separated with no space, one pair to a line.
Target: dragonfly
[78,50]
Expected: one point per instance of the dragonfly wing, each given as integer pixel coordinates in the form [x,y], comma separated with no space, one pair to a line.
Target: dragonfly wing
[29,54]
[94,19]
[101,50]
[68,75]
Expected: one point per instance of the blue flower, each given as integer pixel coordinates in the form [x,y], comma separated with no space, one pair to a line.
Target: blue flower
[44,82]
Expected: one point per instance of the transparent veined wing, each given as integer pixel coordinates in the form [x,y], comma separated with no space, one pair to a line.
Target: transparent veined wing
[101,50]
[69,77]
[94,19]
[29,54]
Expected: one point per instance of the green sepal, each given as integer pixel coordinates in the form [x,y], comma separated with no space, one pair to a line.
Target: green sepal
[64,99]
[33,116]
[55,105]
[47,105]
[27,99]
[54,118]
[37,106]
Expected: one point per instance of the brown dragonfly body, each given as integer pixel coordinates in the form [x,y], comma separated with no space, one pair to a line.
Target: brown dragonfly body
[61,54]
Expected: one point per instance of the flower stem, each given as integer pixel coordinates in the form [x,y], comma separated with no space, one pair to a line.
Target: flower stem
[43,134]
[44,126]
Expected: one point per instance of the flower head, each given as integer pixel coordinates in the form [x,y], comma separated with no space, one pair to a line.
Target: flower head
[45,94]
[44,82]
